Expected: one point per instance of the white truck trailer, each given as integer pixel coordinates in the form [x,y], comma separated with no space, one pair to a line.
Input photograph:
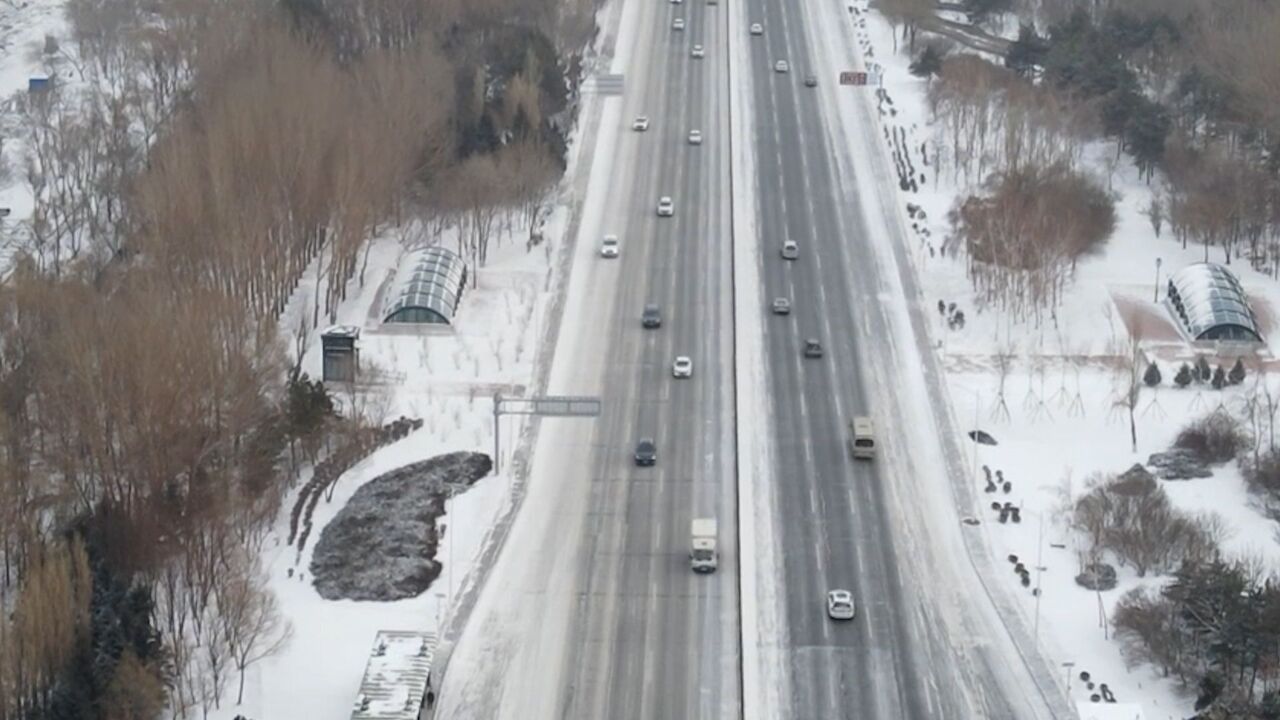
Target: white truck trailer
[703,554]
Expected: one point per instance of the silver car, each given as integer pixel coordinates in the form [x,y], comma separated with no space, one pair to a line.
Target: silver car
[790,250]
[666,207]
[782,66]
[781,306]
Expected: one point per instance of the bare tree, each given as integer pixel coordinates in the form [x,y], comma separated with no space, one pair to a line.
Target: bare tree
[251,618]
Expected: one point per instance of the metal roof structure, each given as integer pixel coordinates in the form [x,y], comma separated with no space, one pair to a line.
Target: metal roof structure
[397,677]
[1209,301]
[427,287]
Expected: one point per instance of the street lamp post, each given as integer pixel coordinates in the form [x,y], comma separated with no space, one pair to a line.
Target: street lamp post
[1157,287]
[1068,665]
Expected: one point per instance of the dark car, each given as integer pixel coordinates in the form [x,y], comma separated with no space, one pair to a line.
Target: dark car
[812,348]
[811,81]
[646,452]
[652,316]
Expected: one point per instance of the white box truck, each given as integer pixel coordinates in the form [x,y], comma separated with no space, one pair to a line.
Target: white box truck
[703,556]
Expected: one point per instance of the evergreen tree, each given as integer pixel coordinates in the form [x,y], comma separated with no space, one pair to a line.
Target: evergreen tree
[1183,378]
[1219,378]
[1027,53]
[1144,134]
[1203,371]
[928,63]
[1152,376]
[1236,376]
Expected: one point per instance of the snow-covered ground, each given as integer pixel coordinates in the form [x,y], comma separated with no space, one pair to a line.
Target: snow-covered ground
[447,378]
[1057,422]
[23,29]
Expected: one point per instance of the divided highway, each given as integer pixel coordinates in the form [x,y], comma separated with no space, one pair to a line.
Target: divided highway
[652,639]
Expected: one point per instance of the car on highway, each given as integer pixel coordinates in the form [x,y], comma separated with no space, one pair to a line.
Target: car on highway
[840,605]
[812,348]
[782,66]
[697,52]
[677,24]
[781,306]
[811,81]
[646,452]
[640,124]
[682,367]
[695,137]
[666,207]
[676,2]
[790,250]
[757,29]
[609,246]
[651,317]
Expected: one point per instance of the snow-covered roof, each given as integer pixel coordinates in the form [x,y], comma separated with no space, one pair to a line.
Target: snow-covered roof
[427,287]
[397,676]
[1209,301]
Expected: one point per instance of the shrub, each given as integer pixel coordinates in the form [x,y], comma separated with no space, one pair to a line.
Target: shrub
[1152,376]
[1213,439]
[1219,378]
[1236,376]
[1203,371]
[1183,378]
[1264,474]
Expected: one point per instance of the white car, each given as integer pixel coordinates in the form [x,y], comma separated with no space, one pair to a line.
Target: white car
[609,246]
[840,605]
[757,29]
[677,24]
[682,367]
[640,124]
[697,52]
[695,137]
[666,208]
[781,66]
[790,250]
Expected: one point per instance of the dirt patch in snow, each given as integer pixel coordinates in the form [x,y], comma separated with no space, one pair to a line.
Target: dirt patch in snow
[382,545]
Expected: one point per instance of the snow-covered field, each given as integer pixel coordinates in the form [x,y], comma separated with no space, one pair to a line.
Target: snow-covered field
[1057,421]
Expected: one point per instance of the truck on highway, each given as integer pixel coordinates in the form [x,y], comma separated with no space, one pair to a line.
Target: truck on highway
[862,438]
[703,556]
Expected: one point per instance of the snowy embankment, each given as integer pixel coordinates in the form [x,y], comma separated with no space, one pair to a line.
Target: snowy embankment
[1054,409]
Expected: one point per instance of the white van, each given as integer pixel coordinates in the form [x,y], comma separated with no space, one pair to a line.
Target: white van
[862,438]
